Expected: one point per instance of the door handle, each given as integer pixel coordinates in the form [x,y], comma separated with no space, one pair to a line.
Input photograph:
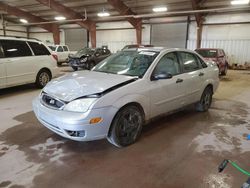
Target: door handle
[179,80]
[201,74]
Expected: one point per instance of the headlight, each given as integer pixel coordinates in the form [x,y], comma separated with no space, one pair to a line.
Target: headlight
[80,105]
[83,59]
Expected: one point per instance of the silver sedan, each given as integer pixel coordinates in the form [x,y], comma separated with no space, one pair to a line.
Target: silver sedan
[123,92]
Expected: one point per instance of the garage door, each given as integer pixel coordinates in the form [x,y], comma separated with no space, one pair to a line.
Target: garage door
[169,35]
[76,38]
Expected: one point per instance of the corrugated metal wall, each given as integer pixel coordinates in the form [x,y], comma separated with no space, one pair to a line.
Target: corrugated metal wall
[238,51]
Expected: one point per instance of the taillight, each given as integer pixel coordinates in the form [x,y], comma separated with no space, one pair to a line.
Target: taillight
[55,57]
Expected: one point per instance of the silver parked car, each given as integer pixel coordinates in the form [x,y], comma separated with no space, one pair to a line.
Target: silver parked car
[123,92]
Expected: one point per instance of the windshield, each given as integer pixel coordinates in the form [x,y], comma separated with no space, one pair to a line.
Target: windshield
[132,63]
[85,51]
[53,48]
[207,53]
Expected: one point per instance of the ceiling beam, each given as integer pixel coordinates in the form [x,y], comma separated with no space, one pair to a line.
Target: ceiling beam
[26,15]
[125,10]
[68,13]
[198,16]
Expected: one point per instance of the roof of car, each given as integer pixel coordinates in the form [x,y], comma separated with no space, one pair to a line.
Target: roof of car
[208,49]
[19,38]
[158,49]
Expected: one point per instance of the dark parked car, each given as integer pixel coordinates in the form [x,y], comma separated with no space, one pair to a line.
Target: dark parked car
[216,55]
[87,58]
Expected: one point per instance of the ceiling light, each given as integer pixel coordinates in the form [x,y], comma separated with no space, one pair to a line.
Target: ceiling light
[239,2]
[160,9]
[103,14]
[59,18]
[23,20]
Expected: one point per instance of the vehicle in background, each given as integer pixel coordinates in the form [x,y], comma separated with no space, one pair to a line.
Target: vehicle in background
[62,52]
[121,93]
[217,55]
[24,61]
[136,46]
[87,58]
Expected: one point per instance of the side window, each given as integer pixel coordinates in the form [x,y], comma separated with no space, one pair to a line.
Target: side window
[12,48]
[203,64]
[65,48]
[39,48]
[189,61]
[168,64]
[59,49]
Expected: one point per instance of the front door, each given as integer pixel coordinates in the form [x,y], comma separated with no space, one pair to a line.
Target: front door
[167,94]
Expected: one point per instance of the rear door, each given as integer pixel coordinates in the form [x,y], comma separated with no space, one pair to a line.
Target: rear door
[194,76]
[65,52]
[18,61]
[2,69]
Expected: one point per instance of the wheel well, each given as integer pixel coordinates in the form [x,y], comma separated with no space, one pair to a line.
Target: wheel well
[211,87]
[138,105]
[46,69]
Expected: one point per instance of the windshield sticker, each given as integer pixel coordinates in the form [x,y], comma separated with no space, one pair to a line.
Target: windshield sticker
[147,53]
[212,51]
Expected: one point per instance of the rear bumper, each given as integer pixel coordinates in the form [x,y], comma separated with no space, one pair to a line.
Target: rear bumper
[74,125]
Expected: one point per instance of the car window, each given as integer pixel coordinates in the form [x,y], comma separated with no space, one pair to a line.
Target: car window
[59,49]
[65,48]
[13,48]
[189,61]
[203,64]
[53,48]
[132,63]
[207,53]
[168,64]
[39,48]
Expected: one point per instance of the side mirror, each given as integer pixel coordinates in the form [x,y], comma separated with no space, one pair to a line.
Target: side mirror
[161,76]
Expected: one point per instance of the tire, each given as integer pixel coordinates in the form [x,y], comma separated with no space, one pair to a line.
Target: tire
[74,68]
[42,78]
[126,126]
[224,72]
[91,64]
[206,99]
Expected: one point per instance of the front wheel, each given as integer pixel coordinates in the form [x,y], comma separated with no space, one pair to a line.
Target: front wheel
[42,78]
[126,126]
[91,64]
[74,68]
[205,101]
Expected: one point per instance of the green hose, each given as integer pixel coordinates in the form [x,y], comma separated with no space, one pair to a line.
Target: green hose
[238,168]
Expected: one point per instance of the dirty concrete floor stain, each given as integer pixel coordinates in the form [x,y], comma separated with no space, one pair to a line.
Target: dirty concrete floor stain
[179,150]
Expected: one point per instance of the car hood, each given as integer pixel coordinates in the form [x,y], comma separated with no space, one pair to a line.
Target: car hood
[83,83]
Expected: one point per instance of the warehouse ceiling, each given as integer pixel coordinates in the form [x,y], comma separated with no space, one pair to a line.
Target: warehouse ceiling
[44,10]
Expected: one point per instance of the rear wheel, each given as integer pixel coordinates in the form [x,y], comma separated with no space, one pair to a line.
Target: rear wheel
[126,126]
[42,78]
[205,101]
[224,72]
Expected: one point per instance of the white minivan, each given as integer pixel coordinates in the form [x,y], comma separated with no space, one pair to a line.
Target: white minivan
[24,61]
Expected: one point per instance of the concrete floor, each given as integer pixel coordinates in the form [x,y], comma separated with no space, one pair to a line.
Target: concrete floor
[180,150]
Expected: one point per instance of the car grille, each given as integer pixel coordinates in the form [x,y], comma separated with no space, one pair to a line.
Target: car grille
[51,102]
